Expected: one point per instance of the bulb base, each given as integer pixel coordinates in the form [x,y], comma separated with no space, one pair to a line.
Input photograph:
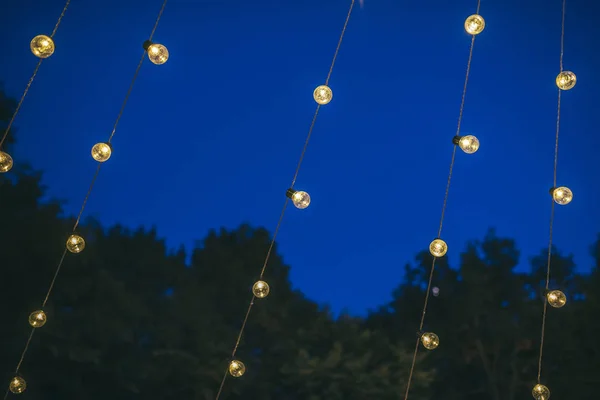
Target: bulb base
[456,140]
[147,44]
[551,191]
[420,334]
[289,193]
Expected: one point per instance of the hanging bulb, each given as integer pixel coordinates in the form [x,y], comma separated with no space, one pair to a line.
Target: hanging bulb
[300,199]
[438,248]
[75,244]
[157,53]
[474,24]
[17,385]
[323,94]
[261,289]
[42,46]
[556,298]
[101,152]
[469,144]
[430,340]
[566,80]
[37,319]
[540,392]
[562,195]
[6,162]
[237,368]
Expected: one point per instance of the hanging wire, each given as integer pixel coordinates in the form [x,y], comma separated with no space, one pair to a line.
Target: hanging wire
[35,71]
[89,192]
[268,256]
[444,205]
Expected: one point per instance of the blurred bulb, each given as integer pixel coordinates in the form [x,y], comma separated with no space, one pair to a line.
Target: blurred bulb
[37,319]
[435,291]
[430,340]
[556,298]
[261,289]
[469,144]
[301,199]
[438,248]
[6,162]
[101,152]
[75,244]
[474,24]
[540,392]
[562,195]
[42,46]
[323,94]
[566,80]
[237,368]
[17,385]
[158,54]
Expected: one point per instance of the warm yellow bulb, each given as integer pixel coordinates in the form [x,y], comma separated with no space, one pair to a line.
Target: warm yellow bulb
[237,368]
[323,94]
[75,244]
[562,195]
[6,162]
[37,319]
[556,298]
[101,152]
[566,80]
[430,340]
[301,199]
[42,46]
[158,54]
[261,289]
[540,392]
[438,248]
[469,144]
[474,24]
[17,385]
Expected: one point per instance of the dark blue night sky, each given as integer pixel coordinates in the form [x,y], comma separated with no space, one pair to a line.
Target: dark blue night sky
[212,137]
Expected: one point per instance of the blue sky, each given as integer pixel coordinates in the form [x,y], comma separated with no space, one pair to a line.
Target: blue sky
[212,137]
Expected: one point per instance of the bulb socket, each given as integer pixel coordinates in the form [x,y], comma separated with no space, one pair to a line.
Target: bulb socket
[420,334]
[551,191]
[456,140]
[289,193]
[147,44]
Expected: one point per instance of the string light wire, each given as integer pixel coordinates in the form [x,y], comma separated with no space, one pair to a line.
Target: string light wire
[278,226]
[444,205]
[35,71]
[89,192]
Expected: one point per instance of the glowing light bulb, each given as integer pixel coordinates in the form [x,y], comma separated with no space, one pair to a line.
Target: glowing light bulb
[566,80]
[474,24]
[562,195]
[42,46]
[300,199]
[75,244]
[469,144]
[323,94]
[17,385]
[37,319]
[556,298]
[237,368]
[261,289]
[158,54]
[101,152]
[540,392]
[6,162]
[430,340]
[438,248]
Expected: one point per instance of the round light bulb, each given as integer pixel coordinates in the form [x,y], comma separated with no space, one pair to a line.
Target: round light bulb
[438,248]
[101,152]
[37,319]
[474,24]
[430,340]
[75,244]
[301,199]
[566,80]
[6,162]
[469,144]
[323,94]
[42,46]
[17,385]
[540,392]
[261,289]
[556,298]
[237,368]
[562,195]
[158,54]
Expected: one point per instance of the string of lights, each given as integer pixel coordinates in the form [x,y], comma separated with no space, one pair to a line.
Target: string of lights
[562,196]
[301,199]
[42,47]
[474,25]
[101,152]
